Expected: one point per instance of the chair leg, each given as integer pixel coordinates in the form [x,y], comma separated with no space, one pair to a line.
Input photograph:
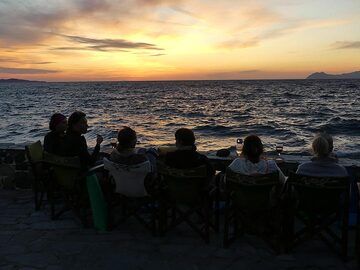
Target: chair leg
[226,224]
[345,232]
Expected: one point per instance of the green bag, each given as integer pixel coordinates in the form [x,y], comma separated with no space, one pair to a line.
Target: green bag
[98,203]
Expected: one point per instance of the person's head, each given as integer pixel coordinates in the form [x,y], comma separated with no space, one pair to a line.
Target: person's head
[58,123]
[126,138]
[184,137]
[320,147]
[78,123]
[252,148]
[329,139]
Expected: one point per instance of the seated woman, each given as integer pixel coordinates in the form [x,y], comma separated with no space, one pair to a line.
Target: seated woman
[75,143]
[126,153]
[53,141]
[250,161]
[323,163]
[185,156]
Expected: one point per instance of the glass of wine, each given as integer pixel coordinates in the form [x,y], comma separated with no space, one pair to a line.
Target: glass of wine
[113,142]
[279,148]
[239,146]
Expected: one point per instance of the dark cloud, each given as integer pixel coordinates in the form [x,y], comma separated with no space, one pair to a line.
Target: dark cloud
[8,70]
[106,44]
[22,61]
[158,54]
[346,45]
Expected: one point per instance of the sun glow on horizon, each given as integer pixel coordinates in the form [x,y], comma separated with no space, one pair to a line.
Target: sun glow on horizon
[177,39]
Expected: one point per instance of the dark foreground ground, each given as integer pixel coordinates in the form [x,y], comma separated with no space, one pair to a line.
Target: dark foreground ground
[30,240]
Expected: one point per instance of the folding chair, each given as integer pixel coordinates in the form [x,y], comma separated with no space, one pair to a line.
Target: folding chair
[248,207]
[322,203]
[186,194]
[34,154]
[67,181]
[131,193]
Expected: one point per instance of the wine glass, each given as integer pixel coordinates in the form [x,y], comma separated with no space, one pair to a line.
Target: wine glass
[113,142]
[279,148]
[239,145]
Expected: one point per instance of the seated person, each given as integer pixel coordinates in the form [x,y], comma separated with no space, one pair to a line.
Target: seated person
[126,153]
[323,163]
[75,143]
[251,162]
[185,156]
[54,139]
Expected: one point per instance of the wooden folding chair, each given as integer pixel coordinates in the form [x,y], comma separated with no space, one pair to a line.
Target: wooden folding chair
[186,196]
[67,182]
[323,202]
[131,194]
[248,207]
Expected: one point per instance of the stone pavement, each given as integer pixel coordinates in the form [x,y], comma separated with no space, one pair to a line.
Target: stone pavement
[30,240]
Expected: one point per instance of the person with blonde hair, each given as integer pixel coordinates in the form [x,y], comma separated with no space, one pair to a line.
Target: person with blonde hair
[323,163]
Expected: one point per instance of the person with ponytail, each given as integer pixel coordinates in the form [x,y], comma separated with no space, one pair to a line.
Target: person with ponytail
[251,161]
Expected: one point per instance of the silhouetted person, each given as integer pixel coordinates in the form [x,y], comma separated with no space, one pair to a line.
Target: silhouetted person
[126,153]
[185,156]
[251,162]
[54,140]
[75,143]
[323,163]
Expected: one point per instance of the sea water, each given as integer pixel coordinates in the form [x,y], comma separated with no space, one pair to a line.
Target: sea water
[287,112]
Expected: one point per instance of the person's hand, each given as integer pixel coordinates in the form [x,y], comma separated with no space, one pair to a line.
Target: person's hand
[99,139]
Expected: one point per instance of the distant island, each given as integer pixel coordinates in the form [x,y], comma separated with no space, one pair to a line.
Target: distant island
[17,81]
[323,75]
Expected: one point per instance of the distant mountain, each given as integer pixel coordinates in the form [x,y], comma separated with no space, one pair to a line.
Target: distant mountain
[17,81]
[323,75]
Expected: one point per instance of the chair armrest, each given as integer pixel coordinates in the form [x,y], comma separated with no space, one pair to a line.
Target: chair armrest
[96,168]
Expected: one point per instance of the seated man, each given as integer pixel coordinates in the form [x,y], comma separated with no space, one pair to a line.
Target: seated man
[126,153]
[185,156]
[323,163]
[75,143]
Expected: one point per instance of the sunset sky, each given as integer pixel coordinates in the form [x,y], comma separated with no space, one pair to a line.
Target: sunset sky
[83,40]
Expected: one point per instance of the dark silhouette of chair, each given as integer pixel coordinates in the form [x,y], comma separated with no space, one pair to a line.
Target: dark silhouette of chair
[68,183]
[131,194]
[248,207]
[34,153]
[322,202]
[186,196]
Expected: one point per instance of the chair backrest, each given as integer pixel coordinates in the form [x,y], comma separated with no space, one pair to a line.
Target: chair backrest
[319,194]
[184,185]
[34,152]
[66,170]
[129,179]
[250,192]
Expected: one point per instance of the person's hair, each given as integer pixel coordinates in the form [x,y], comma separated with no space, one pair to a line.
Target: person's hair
[320,146]
[252,148]
[74,118]
[185,136]
[126,137]
[329,139]
[56,119]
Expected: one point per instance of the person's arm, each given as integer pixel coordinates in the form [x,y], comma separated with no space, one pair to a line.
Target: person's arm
[95,153]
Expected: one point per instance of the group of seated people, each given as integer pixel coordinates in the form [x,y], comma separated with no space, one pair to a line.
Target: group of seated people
[66,139]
